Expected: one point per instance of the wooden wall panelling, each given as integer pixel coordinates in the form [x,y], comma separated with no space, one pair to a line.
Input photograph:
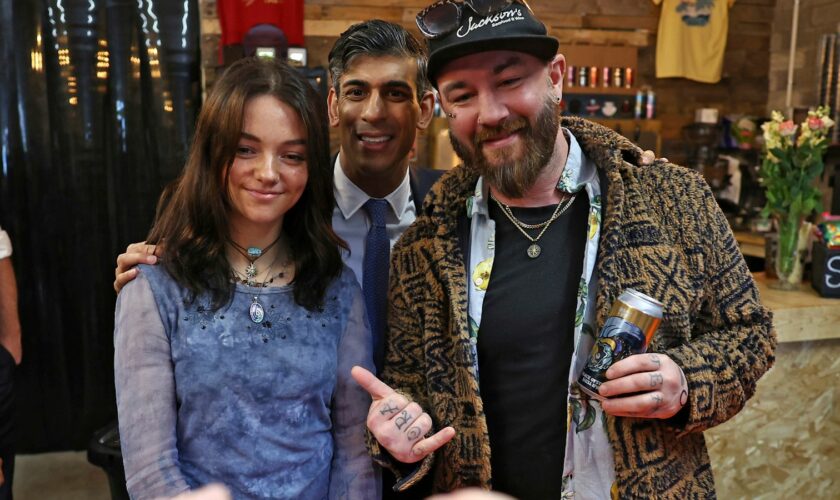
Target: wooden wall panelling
[742,90]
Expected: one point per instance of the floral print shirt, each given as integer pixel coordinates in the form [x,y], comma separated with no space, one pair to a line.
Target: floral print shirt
[589,471]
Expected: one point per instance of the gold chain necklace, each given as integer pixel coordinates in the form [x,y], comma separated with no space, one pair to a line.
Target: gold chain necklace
[534,249]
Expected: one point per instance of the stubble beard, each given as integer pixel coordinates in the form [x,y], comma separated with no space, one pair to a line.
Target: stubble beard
[512,176]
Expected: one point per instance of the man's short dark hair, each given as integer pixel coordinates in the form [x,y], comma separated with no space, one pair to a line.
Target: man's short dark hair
[378,38]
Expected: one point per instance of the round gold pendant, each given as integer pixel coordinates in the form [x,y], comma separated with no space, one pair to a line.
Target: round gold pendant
[534,251]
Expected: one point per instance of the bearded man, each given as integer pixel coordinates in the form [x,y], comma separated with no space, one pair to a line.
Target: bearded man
[499,288]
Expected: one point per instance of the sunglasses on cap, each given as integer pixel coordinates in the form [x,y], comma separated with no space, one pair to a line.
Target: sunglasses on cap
[443,17]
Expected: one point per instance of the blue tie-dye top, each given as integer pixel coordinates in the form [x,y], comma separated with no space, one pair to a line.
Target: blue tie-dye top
[267,409]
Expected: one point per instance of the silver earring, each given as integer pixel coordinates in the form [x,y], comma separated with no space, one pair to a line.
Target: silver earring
[451,115]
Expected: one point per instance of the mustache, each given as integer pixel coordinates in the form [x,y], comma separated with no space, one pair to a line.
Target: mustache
[506,127]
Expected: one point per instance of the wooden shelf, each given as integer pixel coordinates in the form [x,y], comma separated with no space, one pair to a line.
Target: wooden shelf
[752,244]
[599,90]
[627,38]
[649,131]
[652,125]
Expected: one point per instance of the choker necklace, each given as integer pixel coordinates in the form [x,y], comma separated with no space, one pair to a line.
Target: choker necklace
[534,249]
[252,254]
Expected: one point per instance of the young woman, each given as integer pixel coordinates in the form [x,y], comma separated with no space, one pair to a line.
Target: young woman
[233,358]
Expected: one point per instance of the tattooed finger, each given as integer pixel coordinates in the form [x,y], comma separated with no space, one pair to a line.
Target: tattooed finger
[654,358]
[388,409]
[683,397]
[655,379]
[403,419]
[413,433]
[657,400]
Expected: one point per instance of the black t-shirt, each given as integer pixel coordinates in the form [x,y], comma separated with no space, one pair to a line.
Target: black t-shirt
[525,346]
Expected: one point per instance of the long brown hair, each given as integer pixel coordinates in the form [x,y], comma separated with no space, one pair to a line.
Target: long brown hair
[193,224]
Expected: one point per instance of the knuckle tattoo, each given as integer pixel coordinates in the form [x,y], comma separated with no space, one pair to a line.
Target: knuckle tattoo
[413,433]
[388,409]
[403,419]
[657,399]
[656,379]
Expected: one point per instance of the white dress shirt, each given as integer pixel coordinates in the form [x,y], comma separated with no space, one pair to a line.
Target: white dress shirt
[6,244]
[351,222]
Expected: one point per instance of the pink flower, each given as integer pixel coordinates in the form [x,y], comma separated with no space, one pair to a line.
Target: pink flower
[815,123]
[787,128]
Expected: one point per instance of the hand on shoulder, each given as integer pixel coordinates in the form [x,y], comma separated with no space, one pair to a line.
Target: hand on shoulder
[135,253]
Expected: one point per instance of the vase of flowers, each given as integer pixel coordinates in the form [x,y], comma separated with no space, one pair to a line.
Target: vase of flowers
[793,159]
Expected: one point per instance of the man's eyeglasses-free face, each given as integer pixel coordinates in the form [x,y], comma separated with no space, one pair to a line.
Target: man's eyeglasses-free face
[443,17]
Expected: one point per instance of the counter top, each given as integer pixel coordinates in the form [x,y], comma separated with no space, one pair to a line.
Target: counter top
[752,244]
[802,314]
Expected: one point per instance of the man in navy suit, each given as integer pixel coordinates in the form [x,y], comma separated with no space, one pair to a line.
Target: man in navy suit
[380,97]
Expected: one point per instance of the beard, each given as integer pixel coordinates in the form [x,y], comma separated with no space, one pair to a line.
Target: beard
[513,176]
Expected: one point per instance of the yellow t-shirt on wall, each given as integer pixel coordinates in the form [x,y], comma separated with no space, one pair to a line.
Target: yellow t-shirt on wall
[692,39]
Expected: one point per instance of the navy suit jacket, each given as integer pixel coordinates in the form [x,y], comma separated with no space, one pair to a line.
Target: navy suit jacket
[420,181]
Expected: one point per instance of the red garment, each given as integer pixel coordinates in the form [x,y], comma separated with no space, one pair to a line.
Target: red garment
[238,16]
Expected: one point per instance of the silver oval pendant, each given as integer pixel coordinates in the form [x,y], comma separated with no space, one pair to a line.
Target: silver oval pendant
[534,251]
[256,312]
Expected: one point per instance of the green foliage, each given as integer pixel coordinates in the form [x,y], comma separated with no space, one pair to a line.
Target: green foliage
[791,164]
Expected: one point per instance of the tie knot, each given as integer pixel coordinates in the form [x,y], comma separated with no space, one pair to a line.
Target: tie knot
[376,209]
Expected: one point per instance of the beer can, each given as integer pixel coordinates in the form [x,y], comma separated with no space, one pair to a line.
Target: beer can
[634,318]
[583,76]
[638,110]
[650,105]
[618,77]
[605,79]
[628,77]
[593,76]
[570,76]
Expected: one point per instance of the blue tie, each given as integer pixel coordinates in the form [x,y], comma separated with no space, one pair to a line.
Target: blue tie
[375,272]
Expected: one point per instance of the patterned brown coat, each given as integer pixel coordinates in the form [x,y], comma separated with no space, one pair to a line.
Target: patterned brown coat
[662,234]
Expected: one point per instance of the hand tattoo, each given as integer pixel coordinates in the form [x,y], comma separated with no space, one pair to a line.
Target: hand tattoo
[655,379]
[413,433]
[657,398]
[402,419]
[388,409]
[655,360]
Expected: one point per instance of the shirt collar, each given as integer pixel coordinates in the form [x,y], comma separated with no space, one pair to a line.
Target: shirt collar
[575,174]
[350,197]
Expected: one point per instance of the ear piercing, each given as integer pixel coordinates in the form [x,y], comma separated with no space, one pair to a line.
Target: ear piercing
[557,99]
[451,116]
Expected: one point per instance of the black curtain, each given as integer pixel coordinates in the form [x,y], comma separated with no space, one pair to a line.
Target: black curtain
[98,100]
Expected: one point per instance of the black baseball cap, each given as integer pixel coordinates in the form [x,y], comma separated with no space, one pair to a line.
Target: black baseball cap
[512,28]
